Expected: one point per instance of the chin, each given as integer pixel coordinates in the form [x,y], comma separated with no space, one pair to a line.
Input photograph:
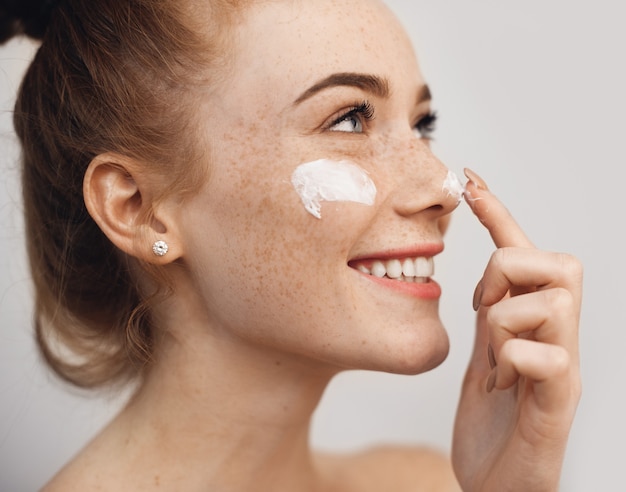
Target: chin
[419,353]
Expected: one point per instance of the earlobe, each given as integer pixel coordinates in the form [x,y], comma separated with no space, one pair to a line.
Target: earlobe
[120,199]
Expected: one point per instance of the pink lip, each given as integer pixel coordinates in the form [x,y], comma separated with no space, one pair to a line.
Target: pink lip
[430,290]
[426,250]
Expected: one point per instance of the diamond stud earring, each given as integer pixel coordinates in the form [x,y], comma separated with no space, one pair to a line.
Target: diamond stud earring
[160,248]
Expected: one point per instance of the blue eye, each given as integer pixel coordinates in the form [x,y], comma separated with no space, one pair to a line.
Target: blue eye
[425,127]
[349,123]
[354,119]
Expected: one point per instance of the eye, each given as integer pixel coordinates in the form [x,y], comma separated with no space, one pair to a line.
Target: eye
[349,123]
[354,120]
[425,127]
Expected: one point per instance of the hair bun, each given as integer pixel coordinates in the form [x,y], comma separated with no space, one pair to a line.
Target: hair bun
[29,17]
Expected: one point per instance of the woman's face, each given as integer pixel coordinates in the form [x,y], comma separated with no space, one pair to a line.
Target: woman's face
[310,80]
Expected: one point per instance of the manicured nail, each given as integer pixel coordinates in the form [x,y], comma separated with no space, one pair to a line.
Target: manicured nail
[491,380]
[478,296]
[476,179]
[492,357]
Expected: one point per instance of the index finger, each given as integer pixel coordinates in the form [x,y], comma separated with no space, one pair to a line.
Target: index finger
[501,225]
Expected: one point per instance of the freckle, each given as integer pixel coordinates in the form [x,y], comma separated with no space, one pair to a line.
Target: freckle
[157,480]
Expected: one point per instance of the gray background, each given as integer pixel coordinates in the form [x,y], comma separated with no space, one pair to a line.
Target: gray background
[530,95]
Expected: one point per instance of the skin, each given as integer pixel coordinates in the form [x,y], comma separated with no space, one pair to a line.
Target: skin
[266,308]
[514,436]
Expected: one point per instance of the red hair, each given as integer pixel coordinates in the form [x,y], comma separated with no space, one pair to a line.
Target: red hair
[110,76]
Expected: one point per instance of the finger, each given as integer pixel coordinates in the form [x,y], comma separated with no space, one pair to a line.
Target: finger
[480,352]
[530,269]
[548,316]
[548,367]
[493,214]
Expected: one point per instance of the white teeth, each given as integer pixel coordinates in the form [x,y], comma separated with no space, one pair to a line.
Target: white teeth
[407,270]
[424,267]
[378,269]
[394,268]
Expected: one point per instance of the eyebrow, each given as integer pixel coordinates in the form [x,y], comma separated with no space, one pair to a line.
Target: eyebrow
[370,83]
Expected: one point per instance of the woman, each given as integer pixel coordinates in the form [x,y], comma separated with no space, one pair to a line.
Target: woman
[229,202]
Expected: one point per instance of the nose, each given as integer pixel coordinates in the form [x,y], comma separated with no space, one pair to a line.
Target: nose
[423,183]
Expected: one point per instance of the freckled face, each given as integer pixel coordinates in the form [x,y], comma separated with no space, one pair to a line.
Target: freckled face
[265,269]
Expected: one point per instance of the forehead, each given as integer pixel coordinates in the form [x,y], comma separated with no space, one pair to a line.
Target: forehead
[289,45]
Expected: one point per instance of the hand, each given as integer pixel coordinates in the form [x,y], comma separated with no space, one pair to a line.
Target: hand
[522,385]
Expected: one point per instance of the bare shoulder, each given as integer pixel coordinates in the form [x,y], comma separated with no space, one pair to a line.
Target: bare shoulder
[398,468]
[72,477]
[93,468]
[81,473]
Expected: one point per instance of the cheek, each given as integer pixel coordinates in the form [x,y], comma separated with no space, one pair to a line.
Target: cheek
[325,180]
[261,259]
[251,218]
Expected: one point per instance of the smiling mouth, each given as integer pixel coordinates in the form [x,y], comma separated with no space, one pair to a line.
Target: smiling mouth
[412,270]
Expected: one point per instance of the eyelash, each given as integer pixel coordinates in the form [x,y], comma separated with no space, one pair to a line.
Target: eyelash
[364,111]
[427,124]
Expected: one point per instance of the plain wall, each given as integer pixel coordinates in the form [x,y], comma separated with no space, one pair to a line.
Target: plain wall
[530,95]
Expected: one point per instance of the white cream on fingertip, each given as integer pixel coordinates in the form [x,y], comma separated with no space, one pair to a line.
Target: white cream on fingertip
[326,180]
[453,186]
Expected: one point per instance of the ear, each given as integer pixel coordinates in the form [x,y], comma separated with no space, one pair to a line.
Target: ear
[120,196]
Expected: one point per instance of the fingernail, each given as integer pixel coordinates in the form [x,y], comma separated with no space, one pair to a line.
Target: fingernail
[491,380]
[476,179]
[492,357]
[478,296]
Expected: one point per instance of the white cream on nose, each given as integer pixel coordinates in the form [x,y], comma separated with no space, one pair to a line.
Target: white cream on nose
[453,186]
[327,180]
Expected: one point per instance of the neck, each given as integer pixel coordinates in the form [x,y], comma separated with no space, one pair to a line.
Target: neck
[236,416]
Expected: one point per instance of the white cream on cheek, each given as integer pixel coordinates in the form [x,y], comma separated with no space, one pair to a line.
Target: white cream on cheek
[343,181]
[332,181]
